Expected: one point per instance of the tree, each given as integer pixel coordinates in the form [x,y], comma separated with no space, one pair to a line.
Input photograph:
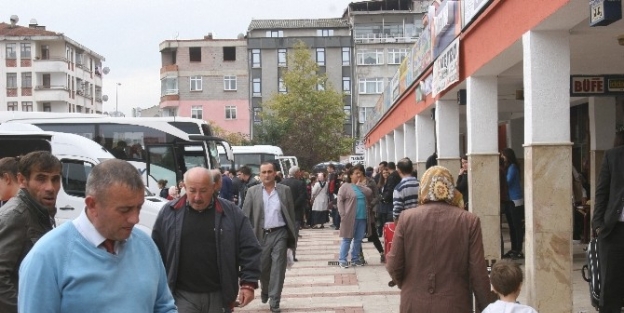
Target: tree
[234,139]
[306,121]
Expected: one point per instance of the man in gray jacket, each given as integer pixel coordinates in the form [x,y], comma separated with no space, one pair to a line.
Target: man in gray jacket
[208,248]
[25,218]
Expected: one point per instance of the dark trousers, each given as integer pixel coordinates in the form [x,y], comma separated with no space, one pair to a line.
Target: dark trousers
[335,217]
[382,219]
[611,249]
[374,238]
[515,220]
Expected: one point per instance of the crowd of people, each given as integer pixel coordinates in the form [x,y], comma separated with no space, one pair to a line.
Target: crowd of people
[190,264]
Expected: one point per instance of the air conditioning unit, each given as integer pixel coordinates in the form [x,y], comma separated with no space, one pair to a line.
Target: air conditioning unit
[80,92]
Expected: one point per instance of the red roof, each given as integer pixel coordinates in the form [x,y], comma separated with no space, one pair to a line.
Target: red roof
[9,30]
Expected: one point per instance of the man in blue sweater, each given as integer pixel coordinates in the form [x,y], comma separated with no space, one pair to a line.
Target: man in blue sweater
[405,195]
[98,262]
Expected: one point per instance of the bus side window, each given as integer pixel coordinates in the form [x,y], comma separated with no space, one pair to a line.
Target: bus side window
[74,177]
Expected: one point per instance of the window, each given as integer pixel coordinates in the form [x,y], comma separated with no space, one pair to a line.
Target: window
[346,85]
[196,83]
[281,57]
[281,87]
[11,80]
[320,86]
[255,58]
[230,112]
[74,178]
[10,51]
[229,82]
[169,86]
[347,111]
[25,50]
[47,107]
[324,32]
[27,106]
[371,85]
[229,53]
[195,54]
[27,80]
[12,106]
[370,56]
[396,56]
[275,33]
[365,114]
[320,56]
[346,56]
[256,87]
[197,111]
[257,112]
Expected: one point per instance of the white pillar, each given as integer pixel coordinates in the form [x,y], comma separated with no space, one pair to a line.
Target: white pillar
[447,130]
[390,147]
[425,140]
[383,148]
[409,130]
[399,143]
[548,171]
[483,186]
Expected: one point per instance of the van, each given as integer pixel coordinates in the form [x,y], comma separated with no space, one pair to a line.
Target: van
[78,155]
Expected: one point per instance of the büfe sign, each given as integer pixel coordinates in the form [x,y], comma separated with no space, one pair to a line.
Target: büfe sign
[602,85]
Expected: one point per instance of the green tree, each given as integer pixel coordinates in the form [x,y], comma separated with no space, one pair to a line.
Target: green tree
[234,139]
[308,120]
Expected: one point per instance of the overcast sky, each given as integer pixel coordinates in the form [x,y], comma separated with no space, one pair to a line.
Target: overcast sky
[127,32]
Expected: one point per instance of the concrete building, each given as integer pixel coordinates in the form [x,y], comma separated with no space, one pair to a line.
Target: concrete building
[383,34]
[532,76]
[45,71]
[206,79]
[268,44]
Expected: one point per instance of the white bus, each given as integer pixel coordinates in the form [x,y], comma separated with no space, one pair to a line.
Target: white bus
[160,147]
[253,156]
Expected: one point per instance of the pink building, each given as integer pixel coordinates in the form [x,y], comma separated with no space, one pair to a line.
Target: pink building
[206,79]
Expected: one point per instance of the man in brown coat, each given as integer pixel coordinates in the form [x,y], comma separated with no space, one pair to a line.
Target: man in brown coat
[437,257]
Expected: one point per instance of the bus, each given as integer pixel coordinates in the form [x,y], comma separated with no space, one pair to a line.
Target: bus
[159,147]
[253,156]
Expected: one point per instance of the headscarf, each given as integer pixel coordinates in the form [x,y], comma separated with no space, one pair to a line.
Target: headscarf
[437,185]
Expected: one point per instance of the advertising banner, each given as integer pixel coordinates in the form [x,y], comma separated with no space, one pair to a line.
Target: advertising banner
[446,25]
[446,68]
[421,53]
[472,8]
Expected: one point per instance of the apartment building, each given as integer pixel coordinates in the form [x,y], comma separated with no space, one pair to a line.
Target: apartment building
[45,71]
[383,35]
[206,79]
[269,42]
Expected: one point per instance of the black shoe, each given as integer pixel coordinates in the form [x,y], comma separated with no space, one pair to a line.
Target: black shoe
[295,259]
[275,309]
[264,298]
[383,258]
[518,256]
[509,255]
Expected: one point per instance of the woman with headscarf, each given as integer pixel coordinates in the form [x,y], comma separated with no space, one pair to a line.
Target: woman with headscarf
[320,202]
[353,203]
[437,257]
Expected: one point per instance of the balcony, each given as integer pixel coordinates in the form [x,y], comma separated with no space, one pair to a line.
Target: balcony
[51,93]
[378,40]
[50,66]
[169,68]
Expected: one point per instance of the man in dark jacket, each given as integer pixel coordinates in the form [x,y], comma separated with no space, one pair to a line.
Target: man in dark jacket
[246,181]
[608,223]
[299,194]
[25,218]
[208,248]
[393,180]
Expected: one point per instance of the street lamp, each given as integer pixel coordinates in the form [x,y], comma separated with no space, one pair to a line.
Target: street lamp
[117,99]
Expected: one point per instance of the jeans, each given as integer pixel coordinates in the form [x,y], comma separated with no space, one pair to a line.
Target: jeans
[359,232]
[335,218]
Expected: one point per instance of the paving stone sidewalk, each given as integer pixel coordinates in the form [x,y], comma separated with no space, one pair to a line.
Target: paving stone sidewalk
[312,285]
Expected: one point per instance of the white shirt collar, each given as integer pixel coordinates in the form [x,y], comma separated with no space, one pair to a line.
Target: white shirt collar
[88,231]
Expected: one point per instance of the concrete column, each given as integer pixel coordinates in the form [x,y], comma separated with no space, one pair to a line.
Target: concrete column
[390,148]
[409,130]
[601,129]
[383,149]
[399,144]
[425,140]
[483,181]
[447,130]
[547,171]
[377,153]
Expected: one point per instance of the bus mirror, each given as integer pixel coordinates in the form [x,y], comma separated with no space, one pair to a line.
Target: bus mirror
[228,150]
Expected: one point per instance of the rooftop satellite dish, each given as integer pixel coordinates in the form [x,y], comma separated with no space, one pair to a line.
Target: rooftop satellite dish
[33,21]
[14,19]
[106,70]
[105,98]
[240,36]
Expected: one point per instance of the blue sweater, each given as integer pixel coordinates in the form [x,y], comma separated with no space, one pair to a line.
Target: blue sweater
[513,182]
[66,273]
